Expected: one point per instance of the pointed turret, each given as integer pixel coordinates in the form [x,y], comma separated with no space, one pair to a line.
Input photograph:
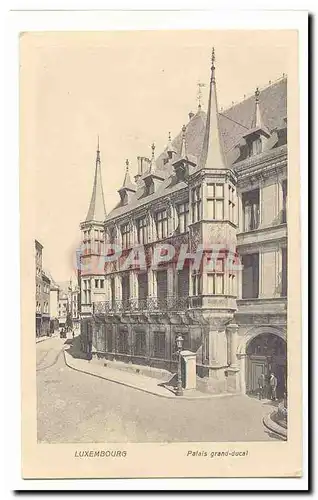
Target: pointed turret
[128,187]
[97,210]
[183,164]
[152,178]
[212,156]
[170,149]
[257,125]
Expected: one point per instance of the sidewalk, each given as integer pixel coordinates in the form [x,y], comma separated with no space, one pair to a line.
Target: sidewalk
[46,337]
[139,382]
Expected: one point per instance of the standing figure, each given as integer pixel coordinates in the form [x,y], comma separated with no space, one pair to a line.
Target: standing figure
[273,386]
[261,386]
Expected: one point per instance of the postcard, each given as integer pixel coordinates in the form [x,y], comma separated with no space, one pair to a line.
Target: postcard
[160,222]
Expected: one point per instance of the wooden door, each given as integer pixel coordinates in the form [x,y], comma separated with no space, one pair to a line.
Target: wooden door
[255,367]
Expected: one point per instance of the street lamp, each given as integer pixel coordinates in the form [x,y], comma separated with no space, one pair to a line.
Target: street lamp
[179,342]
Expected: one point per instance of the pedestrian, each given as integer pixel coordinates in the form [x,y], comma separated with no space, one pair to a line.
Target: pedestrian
[261,386]
[273,386]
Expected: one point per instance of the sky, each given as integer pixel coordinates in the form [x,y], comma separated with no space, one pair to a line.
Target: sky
[131,89]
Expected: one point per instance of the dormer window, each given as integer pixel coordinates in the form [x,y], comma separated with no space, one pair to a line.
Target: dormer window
[254,146]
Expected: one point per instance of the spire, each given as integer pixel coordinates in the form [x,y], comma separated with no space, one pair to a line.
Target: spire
[212,155]
[127,184]
[257,125]
[97,211]
[257,122]
[183,151]
[170,149]
[152,161]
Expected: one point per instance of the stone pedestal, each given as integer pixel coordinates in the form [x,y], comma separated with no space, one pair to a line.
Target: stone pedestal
[189,376]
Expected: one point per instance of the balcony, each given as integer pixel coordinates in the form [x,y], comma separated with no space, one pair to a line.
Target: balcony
[150,304]
[86,308]
[213,302]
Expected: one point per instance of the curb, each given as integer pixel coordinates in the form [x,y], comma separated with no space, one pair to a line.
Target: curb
[132,386]
[272,426]
[42,340]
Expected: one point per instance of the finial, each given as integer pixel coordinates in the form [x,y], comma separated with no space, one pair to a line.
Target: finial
[213,57]
[169,137]
[98,151]
[127,165]
[257,94]
[213,65]
[199,93]
[153,147]
[183,130]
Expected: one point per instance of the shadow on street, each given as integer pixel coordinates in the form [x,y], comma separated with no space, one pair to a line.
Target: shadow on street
[75,348]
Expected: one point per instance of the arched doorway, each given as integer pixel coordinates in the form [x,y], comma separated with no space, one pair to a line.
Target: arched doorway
[266,353]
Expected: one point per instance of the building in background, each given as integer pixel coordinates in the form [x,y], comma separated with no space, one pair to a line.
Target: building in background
[54,301]
[68,305]
[221,181]
[38,288]
[46,285]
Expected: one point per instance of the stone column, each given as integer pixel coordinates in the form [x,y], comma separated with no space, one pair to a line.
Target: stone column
[239,212]
[239,277]
[118,287]
[226,215]
[243,373]
[170,282]
[232,330]
[213,346]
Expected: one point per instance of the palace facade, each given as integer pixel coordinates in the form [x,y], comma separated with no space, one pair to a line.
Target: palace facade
[221,182]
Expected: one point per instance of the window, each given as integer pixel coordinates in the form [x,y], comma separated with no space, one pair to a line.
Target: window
[162,284]
[215,201]
[216,279]
[123,342]
[161,224]
[232,217]
[142,233]
[112,292]
[125,285]
[140,344]
[255,147]
[142,286]
[112,235]
[196,203]
[183,283]
[251,211]
[125,234]
[250,276]
[284,210]
[96,283]
[196,284]
[98,240]
[101,283]
[284,272]
[183,217]
[86,292]
[109,338]
[159,344]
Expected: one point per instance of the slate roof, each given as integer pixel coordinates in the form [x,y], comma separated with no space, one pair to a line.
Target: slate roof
[234,123]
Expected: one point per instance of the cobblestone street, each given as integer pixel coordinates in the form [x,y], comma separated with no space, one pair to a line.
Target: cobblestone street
[73,407]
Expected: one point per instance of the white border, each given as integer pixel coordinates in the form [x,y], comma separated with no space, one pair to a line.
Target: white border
[92,20]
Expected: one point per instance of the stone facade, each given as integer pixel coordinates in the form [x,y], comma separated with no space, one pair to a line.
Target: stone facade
[197,193]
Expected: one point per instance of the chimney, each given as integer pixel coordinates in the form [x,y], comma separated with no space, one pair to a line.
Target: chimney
[139,170]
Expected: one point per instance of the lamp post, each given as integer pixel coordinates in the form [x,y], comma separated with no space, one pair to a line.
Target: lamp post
[179,342]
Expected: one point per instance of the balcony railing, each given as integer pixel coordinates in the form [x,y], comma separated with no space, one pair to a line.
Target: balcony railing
[149,304]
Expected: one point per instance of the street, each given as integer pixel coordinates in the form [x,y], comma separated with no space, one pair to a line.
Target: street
[74,407]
